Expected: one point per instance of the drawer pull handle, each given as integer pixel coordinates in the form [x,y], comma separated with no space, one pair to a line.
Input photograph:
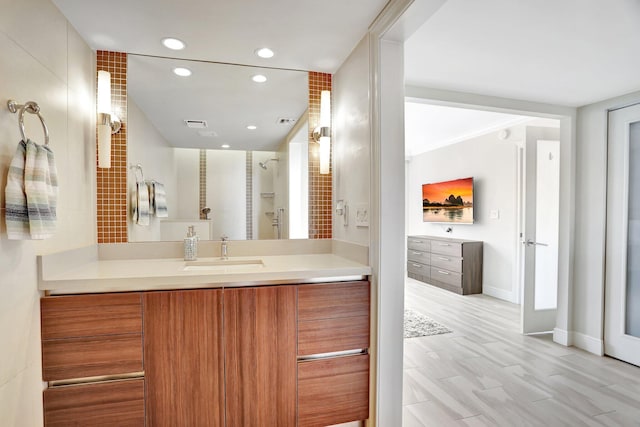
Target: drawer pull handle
[444,244]
[417,253]
[417,265]
[444,259]
[443,272]
[416,241]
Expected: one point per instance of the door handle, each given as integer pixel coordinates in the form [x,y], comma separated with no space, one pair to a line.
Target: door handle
[530,242]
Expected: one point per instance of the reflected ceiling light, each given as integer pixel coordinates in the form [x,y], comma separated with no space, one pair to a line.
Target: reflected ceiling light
[264,52]
[259,78]
[225,146]
[182,72]
[322,133]
[252,127]
[173,44]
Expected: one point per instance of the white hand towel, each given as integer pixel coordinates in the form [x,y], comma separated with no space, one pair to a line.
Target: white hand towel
[41,188]
[160,201]
[17,215]
[142,192]
[152,197]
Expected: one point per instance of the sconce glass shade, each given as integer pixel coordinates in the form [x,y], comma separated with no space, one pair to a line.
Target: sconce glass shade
[104,92]
[325,109]
[325,154]
[104,146]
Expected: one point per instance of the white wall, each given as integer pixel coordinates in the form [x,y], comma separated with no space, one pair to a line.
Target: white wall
[147,147]
[42,59]
[352,142]
[187,162]
[226,190]
[493,164]
[590,221]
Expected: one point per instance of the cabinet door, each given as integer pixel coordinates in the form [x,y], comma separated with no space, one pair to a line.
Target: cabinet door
[260,348]
[184,358]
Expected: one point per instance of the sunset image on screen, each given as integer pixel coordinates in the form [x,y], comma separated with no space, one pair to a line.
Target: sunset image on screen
[450,201]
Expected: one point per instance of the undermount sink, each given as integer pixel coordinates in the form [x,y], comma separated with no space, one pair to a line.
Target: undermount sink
[223,265]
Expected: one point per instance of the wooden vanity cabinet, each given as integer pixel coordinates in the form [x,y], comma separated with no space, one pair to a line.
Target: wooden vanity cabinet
[87,340]
[260,354]
[333,359]
[214,357]
[184,358]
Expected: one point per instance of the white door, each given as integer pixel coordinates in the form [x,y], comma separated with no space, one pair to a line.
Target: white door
[622,282]
[540,236]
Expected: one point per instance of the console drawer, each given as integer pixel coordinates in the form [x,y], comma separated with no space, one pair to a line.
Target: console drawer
[445,276]
[417,268]
[447,262]
[446,248]
[419,256]
[418,244]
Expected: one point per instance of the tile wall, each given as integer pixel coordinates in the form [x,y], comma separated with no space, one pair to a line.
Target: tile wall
[320,186]
[112,183]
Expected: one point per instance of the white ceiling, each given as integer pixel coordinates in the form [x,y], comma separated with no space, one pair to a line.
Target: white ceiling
[428,127]
[305,34]
[568,52]
[221,94]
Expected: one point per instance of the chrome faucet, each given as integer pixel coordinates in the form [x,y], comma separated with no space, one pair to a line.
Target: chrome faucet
[223,249]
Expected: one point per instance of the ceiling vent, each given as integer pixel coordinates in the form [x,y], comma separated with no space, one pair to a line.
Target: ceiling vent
[286,121]
[196,124]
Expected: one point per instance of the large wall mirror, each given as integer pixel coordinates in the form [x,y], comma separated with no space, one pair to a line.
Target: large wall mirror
[229,150]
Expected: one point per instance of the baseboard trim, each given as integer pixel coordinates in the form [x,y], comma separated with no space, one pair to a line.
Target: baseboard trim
[499,293]
[587,343]
[561,337]
[579,340]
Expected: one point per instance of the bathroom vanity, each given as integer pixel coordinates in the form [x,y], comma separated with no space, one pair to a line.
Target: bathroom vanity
[221,349]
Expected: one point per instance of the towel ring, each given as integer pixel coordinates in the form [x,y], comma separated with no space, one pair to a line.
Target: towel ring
[33,108]
[138,168]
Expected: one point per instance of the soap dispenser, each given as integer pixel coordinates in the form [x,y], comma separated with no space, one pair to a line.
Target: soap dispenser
[191,245]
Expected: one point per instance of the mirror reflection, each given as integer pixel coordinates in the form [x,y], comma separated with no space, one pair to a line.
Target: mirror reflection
[230,153]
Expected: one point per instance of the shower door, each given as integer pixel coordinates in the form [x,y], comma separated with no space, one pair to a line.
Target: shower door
[622,285]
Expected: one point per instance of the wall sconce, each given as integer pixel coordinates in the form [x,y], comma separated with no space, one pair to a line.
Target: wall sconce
[322,134]
[108,123]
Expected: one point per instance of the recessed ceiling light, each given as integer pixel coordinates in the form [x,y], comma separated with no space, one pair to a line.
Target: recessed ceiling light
[225,146]
[173,44]
[252,127]
[182,72]
[259,78]
[264,52]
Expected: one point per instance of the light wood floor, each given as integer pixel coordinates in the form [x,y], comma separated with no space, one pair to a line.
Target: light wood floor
[486,373]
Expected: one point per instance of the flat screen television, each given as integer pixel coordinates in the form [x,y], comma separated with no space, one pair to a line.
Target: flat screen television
[448,201]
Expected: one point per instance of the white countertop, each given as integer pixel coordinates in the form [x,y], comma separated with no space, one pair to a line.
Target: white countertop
[123,275]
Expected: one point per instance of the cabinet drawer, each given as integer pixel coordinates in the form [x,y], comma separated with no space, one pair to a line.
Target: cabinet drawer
[333,300]
[89,357]
[446,248]
[331,335]
[447,262]
[417,268]
[333,391]
[419,256]
[445,276]
[90,315]
[117,403]
[418,244]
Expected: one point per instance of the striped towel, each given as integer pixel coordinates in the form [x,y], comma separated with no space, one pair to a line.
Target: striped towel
[17,215]
[41,188]
[142,194]
[159,200]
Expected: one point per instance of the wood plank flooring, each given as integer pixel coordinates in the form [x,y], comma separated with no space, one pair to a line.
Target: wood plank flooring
[486,373]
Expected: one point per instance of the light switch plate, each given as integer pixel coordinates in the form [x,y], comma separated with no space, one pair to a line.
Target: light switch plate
[362,216]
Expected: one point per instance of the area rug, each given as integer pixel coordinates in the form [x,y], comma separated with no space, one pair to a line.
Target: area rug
[419,325]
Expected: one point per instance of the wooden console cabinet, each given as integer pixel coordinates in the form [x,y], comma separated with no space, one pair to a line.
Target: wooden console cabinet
[451,264]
